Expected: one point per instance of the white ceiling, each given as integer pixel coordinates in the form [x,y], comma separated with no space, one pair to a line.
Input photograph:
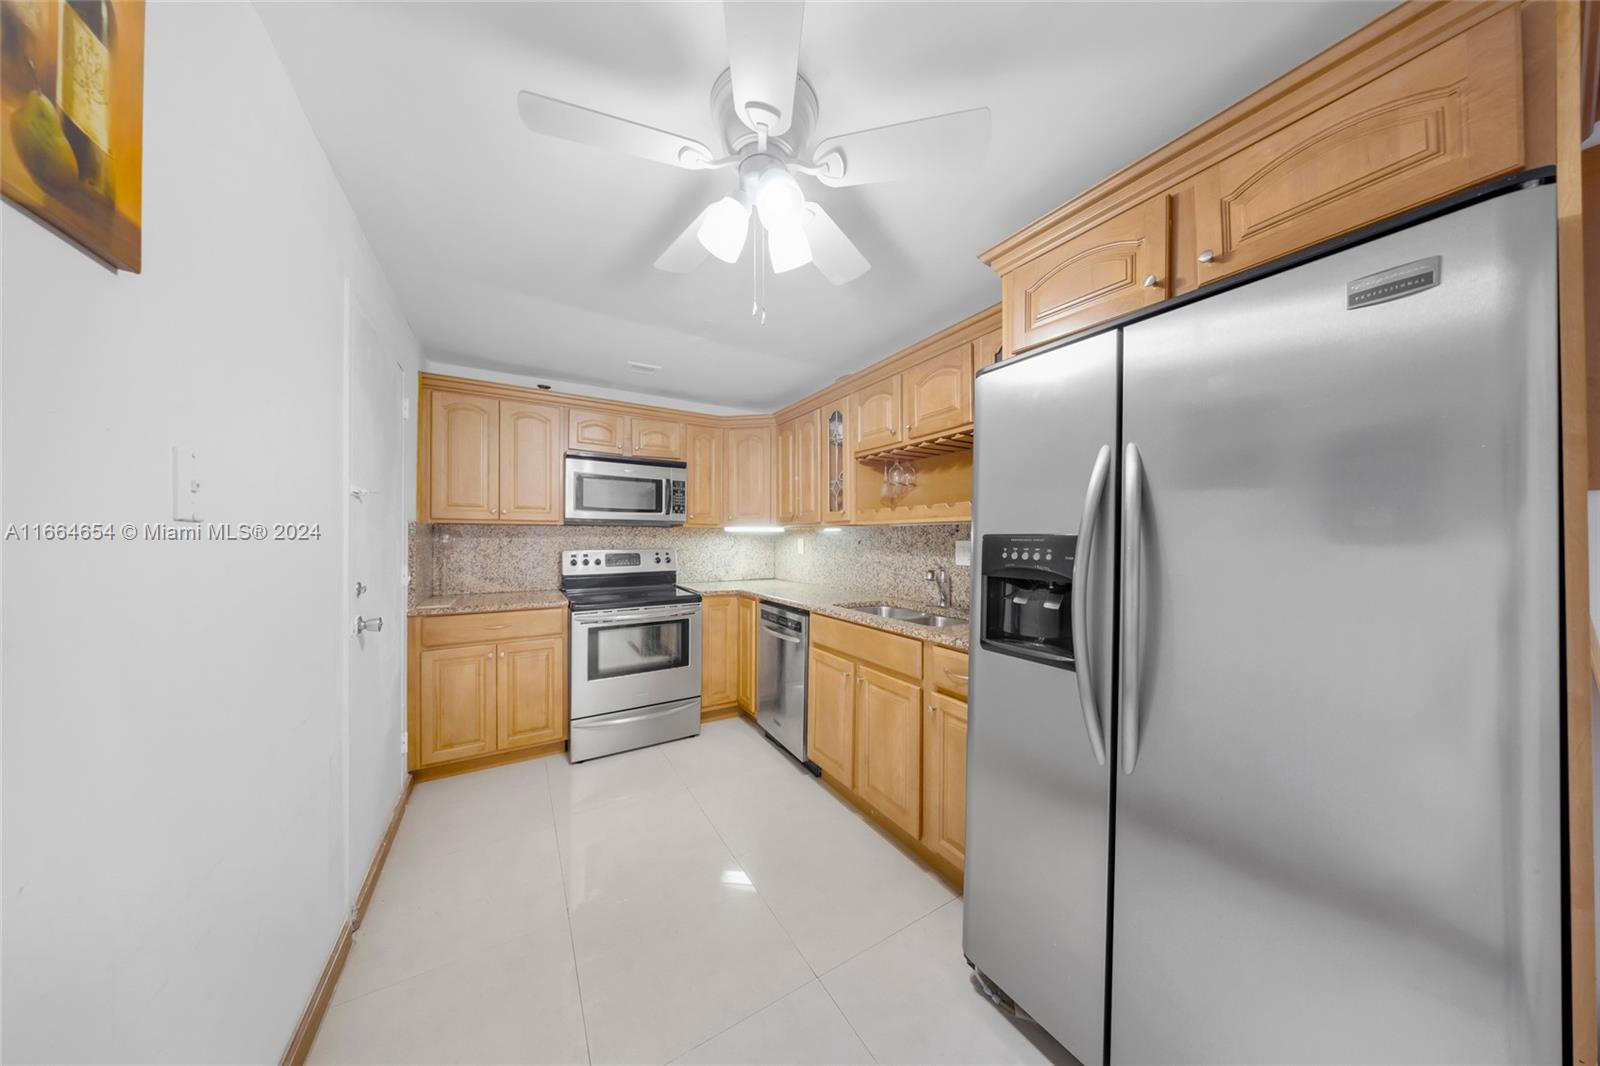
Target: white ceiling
[521,254]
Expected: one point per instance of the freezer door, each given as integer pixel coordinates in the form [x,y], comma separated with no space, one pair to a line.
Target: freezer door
[1340,837]
[1038,800]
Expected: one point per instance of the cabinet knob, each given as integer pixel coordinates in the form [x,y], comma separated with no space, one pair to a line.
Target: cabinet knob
[1207,256]
[1151,281]
[502,655]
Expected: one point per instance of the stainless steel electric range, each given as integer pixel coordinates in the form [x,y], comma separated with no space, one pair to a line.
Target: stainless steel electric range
[635,676]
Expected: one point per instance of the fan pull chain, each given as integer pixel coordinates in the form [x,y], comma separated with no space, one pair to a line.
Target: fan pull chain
[758,279]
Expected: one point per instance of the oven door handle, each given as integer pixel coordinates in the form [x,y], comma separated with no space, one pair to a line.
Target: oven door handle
[633,614]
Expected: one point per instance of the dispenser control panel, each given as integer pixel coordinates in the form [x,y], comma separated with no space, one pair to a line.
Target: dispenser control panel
[1027,596]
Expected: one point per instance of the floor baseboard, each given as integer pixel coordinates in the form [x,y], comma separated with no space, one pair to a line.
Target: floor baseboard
[311,1020]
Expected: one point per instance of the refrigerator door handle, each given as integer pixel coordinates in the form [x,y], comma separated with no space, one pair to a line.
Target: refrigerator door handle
[1132,558]
[1081,654]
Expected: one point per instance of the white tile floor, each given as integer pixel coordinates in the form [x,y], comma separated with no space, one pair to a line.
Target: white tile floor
[703,901]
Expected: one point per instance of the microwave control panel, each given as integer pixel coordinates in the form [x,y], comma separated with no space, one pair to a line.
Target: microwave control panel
[677,502]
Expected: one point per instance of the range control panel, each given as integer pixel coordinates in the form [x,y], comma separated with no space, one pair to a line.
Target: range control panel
[604,561]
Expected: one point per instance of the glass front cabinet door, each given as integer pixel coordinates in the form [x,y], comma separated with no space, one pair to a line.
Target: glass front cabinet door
[836,465]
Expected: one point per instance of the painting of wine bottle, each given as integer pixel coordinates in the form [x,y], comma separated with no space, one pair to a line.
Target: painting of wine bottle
[72,119]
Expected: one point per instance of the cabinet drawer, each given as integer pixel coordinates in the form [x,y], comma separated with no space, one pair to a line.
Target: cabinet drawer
[439,630]
[1446,120]
[874,647]
[1108,270]
[946,670]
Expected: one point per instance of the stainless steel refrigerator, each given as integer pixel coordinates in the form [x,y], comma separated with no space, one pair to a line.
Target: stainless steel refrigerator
[1265,732]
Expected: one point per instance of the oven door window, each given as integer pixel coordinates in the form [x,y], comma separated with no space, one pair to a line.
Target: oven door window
[643,648]
[611,494]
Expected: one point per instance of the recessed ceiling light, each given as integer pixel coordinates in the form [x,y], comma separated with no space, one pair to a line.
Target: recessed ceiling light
[642,368]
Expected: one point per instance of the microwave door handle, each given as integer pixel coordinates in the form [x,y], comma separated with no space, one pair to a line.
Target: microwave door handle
[1081,562]
[1132,565]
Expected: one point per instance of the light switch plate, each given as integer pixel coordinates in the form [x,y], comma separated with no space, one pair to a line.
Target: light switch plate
[963,553]
[187,486]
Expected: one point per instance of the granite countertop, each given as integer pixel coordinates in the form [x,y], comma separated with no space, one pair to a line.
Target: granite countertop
[830,600]
[478,602]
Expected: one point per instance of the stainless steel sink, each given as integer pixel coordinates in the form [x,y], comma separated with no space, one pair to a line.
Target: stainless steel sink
[889,610]
[909,614]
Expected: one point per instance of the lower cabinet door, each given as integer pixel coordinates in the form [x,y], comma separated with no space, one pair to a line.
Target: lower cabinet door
[889,762]
[944,777]
[831,717]
[532,705]
[748,613]
[719,652]
[457,703]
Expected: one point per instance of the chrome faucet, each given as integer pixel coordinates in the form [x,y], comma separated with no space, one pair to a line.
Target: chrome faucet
[941,581]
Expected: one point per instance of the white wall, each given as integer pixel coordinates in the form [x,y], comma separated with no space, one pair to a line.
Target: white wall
[174,844]
[529,381]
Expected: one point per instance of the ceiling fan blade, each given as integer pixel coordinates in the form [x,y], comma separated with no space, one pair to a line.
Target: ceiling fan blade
[939,145]
[838,259]
[569,122]
[764,59]
[686,253]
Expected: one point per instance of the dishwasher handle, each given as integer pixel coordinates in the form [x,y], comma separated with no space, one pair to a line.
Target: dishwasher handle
[780,635]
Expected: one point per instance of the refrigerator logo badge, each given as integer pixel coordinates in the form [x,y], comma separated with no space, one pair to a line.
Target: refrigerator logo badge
[1393,284]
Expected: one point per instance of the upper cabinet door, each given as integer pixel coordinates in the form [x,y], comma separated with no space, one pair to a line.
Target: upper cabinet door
[875,412]
[750,499]
[838,464]
[602,432]
[989,349]
[808,465]
[463,457]
[937,393]
[705,476]
[788,476]
[1446,120]
[657,438]
[1107,270]
[530,462]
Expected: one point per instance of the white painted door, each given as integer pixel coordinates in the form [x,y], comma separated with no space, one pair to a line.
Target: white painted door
[374,598]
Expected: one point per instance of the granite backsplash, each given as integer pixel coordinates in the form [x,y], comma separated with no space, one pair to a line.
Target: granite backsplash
[447,559]
[890,561]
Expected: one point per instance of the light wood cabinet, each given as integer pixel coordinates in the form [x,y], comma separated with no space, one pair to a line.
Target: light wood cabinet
[750,499]
[531,705]
[788,477]
[464,457]
[530,462]
[719,652]
[1448,119]
[481,684]
[889,752]
[601,432]
[831,714]
[799,468]
[944,778]
[705,476]
[657,438]
[457,703]
[937,393]
[1108,270]
[875,414]
[837,473]
[749,619]
[989,348]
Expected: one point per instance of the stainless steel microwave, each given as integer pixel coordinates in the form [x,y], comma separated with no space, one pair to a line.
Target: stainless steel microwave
[632,492]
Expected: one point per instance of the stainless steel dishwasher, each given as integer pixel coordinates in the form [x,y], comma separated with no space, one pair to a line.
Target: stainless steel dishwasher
[782,646]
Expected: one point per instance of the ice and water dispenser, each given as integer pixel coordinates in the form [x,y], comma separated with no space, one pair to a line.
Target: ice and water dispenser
[1027,610]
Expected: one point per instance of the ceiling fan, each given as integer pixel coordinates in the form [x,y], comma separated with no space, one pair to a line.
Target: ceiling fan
[766,113]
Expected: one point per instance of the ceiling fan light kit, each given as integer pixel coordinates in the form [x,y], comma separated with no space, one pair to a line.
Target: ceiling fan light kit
[766,114]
